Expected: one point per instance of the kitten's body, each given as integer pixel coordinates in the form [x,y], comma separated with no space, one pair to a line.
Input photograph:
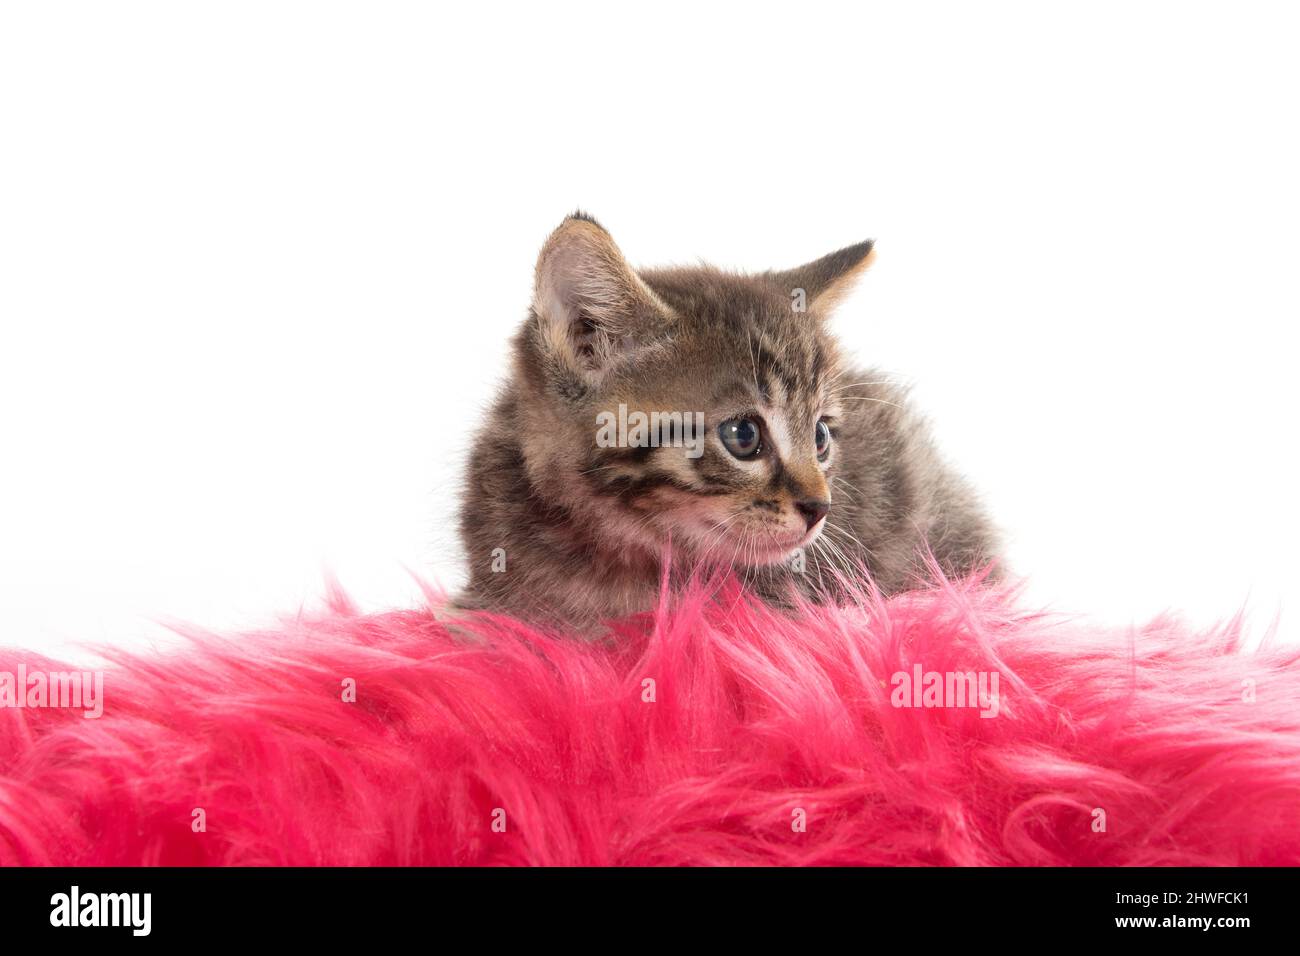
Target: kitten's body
[561,530]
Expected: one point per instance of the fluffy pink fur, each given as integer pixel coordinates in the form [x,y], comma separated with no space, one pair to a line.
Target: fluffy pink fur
[756,714]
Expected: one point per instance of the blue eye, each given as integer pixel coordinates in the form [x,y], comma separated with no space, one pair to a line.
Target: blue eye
[823,440]
[741,436]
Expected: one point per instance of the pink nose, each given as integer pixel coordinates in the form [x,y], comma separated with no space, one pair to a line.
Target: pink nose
[813,510]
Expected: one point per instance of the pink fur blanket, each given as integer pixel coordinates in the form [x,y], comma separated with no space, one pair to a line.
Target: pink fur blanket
[939,727]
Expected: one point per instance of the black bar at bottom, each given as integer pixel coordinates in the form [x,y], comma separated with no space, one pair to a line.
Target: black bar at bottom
[541,906]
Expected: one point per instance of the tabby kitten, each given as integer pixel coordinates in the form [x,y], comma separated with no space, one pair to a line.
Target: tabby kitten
[805,465]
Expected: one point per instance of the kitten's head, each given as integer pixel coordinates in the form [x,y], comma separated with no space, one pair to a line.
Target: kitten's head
[683,404]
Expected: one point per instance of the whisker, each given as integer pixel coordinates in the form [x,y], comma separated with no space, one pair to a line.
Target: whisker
[840,388]
[864,398]
[847,490]
[837,529]
[846,482]
[753,360]
[836,557]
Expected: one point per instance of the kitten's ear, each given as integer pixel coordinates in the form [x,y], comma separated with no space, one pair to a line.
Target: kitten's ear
[826,280]
[592,308]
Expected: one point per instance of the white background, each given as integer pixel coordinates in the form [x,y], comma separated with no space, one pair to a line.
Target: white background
[259,263]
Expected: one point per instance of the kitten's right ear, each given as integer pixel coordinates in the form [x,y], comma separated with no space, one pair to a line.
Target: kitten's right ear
[592,308]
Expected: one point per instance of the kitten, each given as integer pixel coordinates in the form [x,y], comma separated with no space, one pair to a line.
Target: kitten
[805,465]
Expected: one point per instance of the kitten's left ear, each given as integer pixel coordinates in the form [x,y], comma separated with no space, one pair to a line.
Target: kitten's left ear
[827,280]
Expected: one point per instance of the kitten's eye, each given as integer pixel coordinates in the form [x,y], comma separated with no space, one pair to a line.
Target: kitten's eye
[823,440]
[742,437]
